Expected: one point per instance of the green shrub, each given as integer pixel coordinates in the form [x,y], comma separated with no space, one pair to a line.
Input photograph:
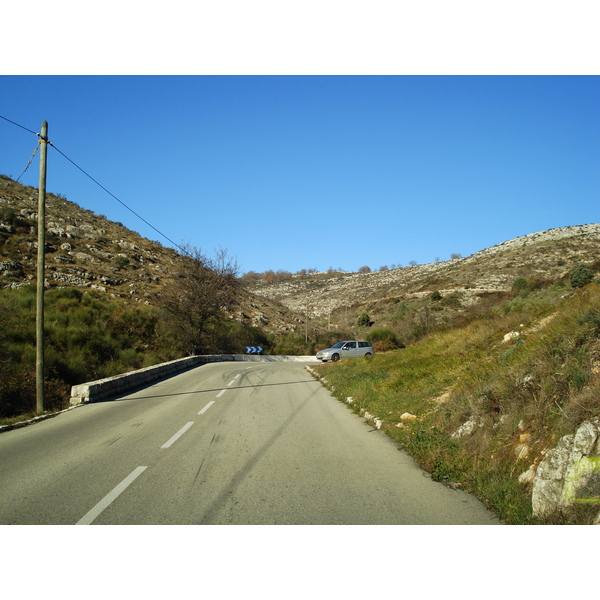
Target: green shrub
[364,320]
[519,285]
[87,337]
[451,301]
[580,276]
[291,344]
[120,262]
[384,339]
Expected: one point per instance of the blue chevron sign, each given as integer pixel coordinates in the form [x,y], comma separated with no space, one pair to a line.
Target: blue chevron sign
[254,350]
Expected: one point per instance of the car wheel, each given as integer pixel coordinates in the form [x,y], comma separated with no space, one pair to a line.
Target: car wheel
[368,354]
[335,358]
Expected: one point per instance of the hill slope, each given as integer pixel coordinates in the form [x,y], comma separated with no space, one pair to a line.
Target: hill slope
[88,251]
[544,256]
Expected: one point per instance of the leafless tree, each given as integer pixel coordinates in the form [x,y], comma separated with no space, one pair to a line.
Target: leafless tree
[198,296]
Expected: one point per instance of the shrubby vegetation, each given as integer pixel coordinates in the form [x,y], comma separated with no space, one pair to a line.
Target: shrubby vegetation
[364,320]
[519,285]
[295,344]
[383,339]
[87,337]
[522,395]
[581,276]
[90,336]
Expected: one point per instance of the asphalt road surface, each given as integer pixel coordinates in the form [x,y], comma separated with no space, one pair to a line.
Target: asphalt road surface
[225,443]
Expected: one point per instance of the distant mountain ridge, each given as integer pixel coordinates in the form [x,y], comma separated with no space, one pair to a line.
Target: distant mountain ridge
[544,255]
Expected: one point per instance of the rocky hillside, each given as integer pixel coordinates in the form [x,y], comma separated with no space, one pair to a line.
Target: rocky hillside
[87,250]
[548,255]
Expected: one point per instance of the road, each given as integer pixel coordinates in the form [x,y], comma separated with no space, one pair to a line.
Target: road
[225,443]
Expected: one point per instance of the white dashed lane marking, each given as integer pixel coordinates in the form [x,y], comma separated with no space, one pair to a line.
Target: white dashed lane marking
[206,407]
[178,435]
[110,497]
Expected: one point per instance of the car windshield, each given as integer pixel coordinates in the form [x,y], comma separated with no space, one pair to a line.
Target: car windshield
[338,345]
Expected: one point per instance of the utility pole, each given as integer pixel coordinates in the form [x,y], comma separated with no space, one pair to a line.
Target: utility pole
[39,361]
[306,334]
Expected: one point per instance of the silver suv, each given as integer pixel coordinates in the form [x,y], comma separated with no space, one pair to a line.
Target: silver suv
[351,349]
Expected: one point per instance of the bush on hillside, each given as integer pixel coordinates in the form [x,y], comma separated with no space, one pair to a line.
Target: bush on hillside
[519,285]
[580,276]
[290,344]
[87,337]
[384,339]
[364,320]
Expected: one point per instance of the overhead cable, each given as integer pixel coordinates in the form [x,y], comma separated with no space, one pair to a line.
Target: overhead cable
[96,182]
[117,199]
[21,126]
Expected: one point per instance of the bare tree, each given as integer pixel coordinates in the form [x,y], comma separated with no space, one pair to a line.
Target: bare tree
[198,296]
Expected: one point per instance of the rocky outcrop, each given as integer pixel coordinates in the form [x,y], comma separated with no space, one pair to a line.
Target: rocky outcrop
[568,473]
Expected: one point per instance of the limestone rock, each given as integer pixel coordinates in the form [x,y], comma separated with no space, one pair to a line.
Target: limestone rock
[466,428]
[82,256]
[513,335]
[550,478]
[565,470]
[407,417]
[529,475]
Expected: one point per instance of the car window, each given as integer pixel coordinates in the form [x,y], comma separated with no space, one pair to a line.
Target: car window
[350,345]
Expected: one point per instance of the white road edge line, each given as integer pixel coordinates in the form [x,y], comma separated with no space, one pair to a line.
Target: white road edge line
[110,497]
[178,435]
[206,407]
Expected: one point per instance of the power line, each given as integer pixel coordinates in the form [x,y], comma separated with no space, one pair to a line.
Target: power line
[96,182]
[117,199]
[21,126]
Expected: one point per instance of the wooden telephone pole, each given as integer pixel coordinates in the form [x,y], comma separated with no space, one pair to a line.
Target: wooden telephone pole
[39,362]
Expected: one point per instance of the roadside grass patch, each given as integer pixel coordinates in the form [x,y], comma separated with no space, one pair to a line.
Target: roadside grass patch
[482,407]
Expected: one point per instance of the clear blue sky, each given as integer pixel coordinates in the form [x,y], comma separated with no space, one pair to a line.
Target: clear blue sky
[292,172]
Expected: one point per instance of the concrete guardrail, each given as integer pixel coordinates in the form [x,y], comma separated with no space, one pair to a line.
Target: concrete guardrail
[119,384]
